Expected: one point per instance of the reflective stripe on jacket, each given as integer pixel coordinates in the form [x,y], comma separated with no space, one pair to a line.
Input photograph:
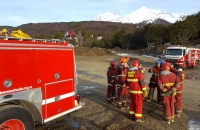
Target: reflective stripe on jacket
[135,80]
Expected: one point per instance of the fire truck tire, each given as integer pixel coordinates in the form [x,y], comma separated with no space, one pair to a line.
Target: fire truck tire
[14,117]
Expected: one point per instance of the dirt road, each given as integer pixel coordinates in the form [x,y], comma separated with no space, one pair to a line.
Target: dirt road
[99,115]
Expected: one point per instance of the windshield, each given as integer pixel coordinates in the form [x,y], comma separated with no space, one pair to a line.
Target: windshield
[173,52]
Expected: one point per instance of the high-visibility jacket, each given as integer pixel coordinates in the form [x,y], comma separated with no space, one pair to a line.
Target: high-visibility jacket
[167,81]
[121,75]
[156,72]
[181,76]
[135,80]
[112,75]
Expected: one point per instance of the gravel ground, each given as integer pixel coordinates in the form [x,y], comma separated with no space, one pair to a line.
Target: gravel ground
[99,115]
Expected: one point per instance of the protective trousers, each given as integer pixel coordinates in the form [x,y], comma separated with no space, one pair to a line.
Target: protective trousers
[178,104]
[168,106]
[152,87]
[110,93]
[122,95]
[136,105]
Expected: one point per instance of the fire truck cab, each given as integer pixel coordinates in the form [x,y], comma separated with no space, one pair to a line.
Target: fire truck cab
[183,56]
[38,82]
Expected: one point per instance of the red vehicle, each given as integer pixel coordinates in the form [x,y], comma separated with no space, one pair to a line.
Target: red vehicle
[183,56]
[38,82]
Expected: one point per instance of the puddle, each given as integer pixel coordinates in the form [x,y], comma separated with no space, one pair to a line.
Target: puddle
[192,75]
[93,76]
[76,125]
[88,92]
[193,125]
[73,123]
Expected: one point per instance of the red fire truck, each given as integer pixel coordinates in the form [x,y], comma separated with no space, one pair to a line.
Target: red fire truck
[183,56]
[38,81]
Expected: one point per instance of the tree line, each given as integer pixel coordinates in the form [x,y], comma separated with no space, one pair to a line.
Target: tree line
[185,32]
[126,36]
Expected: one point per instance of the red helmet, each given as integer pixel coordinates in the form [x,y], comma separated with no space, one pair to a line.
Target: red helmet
[123,60]
[135,63]
[166,66]
[113,63]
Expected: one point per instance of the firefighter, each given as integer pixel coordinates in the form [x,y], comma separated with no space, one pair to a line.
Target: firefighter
[141,68]
[168,83]
[137,90]
[111,79]
[178,96]
[121,86]
[153,81]
[127,57]
[172,69]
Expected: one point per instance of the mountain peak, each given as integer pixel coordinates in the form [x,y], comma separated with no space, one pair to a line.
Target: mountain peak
[140,15]
[143,8]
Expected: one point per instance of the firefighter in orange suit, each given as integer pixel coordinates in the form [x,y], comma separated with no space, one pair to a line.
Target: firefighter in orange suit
[112,79]
[153,81]
[178,96]
[168,83]
[137,90]
[121,86]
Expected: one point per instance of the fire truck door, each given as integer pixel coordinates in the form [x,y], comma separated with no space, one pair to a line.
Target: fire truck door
[56,77]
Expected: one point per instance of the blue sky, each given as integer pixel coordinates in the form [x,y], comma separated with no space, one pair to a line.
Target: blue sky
[18,12]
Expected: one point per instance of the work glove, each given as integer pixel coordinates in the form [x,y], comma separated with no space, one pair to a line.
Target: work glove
[169,93]
[145,93]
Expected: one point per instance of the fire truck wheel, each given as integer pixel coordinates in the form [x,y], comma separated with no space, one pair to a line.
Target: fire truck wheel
[14,117]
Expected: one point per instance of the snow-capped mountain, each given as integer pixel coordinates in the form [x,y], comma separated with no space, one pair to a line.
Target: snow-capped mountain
[140,15]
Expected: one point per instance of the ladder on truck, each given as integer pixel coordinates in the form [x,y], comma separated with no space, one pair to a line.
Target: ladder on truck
[32,39]
[7,34]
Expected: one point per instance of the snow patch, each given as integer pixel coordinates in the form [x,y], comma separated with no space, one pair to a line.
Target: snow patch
[140,15]
[87,87]
[122,54]
[193,125]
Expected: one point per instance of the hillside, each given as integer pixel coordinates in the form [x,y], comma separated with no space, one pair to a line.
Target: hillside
[49,28]
[97,27]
